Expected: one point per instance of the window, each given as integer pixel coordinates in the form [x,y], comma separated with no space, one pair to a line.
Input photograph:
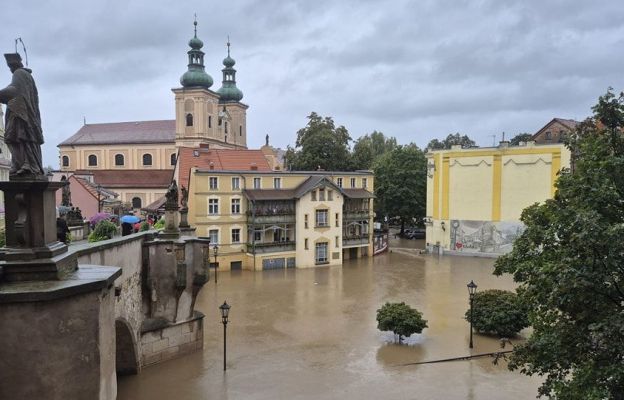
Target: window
[305,244]
[321,194]
[305,220]
[226,127]
[337,220]
[257,236]
[65,161]
[339,182]
[313,195]
[240,130]
[209,121]
[337,241]
[364,183]
[548,135]
[213,206]
[236,205]
[136,202]
[235,183]
[235,235]
[330,195]
[214,182]
[119,160]
[173,159]
[257,184]
[321,253]
[213,234]
[92,160]
[352,182]
[321,218]
[147,159]
[277,183]
[189,119]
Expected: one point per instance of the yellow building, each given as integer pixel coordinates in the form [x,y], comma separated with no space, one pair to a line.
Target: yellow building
[266,219]
[475,196]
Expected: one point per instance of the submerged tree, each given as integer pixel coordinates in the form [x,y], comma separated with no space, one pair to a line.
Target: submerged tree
[570,265]
[401,319]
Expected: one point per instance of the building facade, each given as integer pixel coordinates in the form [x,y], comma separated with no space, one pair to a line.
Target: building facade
[554,131]
[263,219]
[475,196]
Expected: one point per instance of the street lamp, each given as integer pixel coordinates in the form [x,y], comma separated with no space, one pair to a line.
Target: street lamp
[472,289]
[99,189]
[225,311]
[216,249]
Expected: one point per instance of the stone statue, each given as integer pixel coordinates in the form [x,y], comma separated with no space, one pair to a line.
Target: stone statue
[23,133]
[172,196]
[267,139]
[66,193]
[184,198]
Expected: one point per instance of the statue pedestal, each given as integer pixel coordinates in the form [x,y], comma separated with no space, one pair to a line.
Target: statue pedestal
[171,230]
[31,251]
[185,228]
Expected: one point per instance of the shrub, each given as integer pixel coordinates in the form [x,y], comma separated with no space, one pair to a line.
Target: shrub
[160,224]
[498,312]
[144,227]
[401,319]
[103,230]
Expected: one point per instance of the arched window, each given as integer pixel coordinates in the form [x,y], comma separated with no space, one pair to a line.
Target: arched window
[173,159]
[240,130]
[92,160]
[65,161]
[119,159]
[189,119]
[147,159]
[209,121]
[136,202]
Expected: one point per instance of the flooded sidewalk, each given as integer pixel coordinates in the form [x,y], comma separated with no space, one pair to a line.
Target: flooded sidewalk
[311,334]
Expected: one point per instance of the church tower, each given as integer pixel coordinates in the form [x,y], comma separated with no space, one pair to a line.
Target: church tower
[200,116]
[234,113]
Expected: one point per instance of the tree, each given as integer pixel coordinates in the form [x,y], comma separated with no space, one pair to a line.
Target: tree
[498,312]
[320,144]
[451,140]
[401,184]
[369,148]
[569,264]
[401,319]
[520,137]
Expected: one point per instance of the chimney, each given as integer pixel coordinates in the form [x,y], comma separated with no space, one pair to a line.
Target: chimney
[254,166]
[211,165]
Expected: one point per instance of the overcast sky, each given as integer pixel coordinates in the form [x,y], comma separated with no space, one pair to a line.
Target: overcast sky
[415,70]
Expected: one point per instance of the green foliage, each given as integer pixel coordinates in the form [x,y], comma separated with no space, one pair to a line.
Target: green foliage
[160,224]
[451,140]
[498,312]
[569,262]
[2,238]
[401,319]
[103,230]
[401,183]
[368,148]
[320,144]
[521,137]
[144,226]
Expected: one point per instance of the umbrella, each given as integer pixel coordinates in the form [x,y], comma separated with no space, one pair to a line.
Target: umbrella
[131,219]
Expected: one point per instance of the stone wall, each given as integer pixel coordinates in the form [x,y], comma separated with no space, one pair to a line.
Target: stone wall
[172,341]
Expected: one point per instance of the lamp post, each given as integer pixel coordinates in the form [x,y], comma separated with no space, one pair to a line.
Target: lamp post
[99,189]
[472,289]
[216,249]
[225,311]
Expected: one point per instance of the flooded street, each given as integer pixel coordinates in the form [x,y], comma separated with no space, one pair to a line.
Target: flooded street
[311,334]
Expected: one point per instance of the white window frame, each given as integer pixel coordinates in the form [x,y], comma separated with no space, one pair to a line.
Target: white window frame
[277,183]
[235,183]
[236,231]
[321,252]
[213,206]
[235,206]
[353,184]
[320,221]
[213,234]
[257,183]
[213,183]
[339,182]
[364,183]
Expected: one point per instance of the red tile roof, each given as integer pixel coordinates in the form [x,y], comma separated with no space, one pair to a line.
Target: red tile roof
[162,131]
[219,160]
[132,178]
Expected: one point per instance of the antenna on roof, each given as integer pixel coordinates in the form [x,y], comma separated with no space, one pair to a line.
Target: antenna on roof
[84,120]
[503,136]
[493,140]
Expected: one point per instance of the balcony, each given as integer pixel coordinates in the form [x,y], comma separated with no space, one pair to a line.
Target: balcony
[271,218]
[357,240]
[270,247]
[356,214]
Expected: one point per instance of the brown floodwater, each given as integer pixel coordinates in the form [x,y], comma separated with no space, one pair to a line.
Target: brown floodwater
[311,334]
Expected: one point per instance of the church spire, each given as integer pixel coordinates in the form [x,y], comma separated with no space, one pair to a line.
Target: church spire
[196,74]
[229,92]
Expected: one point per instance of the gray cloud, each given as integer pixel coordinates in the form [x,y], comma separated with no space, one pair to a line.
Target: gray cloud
[414,70]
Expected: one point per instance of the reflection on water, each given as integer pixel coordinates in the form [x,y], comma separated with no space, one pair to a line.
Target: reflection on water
[311,334]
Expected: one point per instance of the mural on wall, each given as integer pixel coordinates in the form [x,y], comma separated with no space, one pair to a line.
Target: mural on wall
[484,236]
